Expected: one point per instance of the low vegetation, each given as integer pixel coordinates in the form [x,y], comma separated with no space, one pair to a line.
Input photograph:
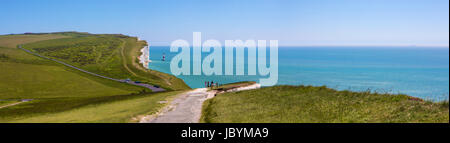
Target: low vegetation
[308,104]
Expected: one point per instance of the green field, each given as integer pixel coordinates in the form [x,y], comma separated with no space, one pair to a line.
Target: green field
[43,81]
[122,111]
[307,104]
[11,41]
[57,89]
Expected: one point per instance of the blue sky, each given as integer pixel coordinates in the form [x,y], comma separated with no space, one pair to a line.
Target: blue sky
[292,22]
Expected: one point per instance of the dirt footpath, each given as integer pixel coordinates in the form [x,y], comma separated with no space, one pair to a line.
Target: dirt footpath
[185,108]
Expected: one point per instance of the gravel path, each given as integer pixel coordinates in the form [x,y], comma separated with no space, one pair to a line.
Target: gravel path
[22,101]
[185,108]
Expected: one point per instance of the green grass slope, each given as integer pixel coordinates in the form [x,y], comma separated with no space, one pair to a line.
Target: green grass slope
[11,41]
[122,111]
[56,88]
[43,81]
[110,55]
[307,104]
[131,52]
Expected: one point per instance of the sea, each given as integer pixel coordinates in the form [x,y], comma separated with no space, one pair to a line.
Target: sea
[416,71]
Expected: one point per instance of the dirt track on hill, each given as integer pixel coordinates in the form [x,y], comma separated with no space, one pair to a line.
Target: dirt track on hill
[12,104]
[185,108]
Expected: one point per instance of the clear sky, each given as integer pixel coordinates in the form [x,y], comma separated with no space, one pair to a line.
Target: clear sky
[292,22]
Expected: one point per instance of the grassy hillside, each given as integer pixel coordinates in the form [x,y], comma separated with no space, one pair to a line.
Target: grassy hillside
[307,104]
[131,53]
[25,81]
[110,55]
[11,41]
[56,88]
[126,110]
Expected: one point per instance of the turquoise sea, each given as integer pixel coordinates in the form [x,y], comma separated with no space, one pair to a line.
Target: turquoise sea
[421,72]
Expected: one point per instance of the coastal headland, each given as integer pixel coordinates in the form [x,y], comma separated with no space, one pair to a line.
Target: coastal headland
[57,92]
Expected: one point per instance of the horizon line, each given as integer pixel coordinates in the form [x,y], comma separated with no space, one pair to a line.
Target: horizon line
[311,45]
[349,46]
